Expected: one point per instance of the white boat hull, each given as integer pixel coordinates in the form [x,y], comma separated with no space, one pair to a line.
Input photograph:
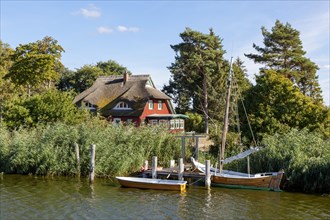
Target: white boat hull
[147,183]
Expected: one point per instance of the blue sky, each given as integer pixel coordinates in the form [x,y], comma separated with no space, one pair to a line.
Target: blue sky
[138,34]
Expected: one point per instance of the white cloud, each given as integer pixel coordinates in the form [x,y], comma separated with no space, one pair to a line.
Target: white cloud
[90,12]
[104,30]
[121,28]
[326,67]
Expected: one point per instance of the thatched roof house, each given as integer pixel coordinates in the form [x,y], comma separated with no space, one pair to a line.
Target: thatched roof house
[128,99]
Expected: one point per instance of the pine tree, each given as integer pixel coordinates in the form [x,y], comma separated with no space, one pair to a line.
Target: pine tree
[283,52]
[197,68]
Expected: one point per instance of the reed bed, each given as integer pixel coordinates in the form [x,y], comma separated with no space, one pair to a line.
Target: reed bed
[303,155]
[50,150]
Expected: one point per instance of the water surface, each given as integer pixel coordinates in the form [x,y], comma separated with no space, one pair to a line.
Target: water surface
[28,197]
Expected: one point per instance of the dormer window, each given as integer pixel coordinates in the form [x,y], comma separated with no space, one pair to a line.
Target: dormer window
[122,106]
[89,106]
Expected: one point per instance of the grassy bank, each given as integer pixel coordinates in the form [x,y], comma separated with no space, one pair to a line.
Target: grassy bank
[50,150]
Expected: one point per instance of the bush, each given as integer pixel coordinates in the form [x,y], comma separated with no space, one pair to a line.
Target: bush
[49,107]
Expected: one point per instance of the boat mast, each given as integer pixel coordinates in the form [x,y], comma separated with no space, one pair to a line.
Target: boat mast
[225,120]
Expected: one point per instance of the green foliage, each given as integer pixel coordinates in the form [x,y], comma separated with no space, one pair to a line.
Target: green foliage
[50,150]
[6,87]
[194,122]
[35,64]
[5,59]
[49,107]
[283,52]
[199,76]
[304,156]
[111,67]
[275,105]
[84,77]
[197,72]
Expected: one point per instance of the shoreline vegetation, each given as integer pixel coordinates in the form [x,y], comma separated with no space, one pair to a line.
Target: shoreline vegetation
[40,127]
[49,150]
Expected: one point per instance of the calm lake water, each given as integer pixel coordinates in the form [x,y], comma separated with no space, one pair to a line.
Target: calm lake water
[28,197]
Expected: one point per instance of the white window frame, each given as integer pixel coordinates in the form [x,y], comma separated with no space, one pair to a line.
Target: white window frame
[160,105]
[181,124]
[151,104]
[163,122]
[89,106]
[172,124]
[122,106]
[177,124]
[154,122]
[116,121]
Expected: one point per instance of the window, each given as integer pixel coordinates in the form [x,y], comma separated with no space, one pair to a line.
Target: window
[151,104]
[163,122]
[177,124]
[89,106]
[181,124]
[172,124]
[160,105]
[153,122]
[116,121]
[122,106]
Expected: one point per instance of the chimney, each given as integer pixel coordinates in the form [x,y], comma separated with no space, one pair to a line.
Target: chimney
[125,77]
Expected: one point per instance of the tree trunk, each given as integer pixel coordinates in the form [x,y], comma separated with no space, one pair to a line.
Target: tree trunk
[29,90]
[2,98]
[205,107]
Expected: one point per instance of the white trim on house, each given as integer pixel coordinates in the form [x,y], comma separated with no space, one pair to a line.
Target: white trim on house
[116,121]
[88,106]
[122,106]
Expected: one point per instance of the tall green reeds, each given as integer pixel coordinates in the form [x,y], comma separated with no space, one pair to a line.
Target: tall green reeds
[50,150]
[304,156]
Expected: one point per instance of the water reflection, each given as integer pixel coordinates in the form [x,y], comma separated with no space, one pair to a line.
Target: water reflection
[26,197]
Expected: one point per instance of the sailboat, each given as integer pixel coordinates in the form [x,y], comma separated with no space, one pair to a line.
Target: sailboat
[232,179]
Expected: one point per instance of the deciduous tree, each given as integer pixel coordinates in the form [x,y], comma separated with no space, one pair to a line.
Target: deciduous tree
[84,77]
[275,105]
[35,64]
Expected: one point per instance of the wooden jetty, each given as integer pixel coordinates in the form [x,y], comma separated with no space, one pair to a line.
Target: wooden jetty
[179,172]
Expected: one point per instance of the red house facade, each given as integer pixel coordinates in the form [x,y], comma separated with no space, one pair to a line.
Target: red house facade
[130,99]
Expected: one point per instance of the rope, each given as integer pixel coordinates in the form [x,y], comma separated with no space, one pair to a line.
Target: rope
[247,118]
[195,181]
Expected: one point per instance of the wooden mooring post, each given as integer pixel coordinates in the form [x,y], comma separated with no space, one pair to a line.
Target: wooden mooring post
[181,169]
[183,143]
[92,164]
[172,163]
[77,158]
[145,168]
[207,174]
[154,168]
[196,147]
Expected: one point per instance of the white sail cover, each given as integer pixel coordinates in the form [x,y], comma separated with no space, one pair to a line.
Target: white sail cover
[241,155]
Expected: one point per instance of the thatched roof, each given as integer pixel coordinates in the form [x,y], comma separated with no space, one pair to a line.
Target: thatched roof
[107,91]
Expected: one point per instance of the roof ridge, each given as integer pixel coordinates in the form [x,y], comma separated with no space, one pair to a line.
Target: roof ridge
[115,76]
